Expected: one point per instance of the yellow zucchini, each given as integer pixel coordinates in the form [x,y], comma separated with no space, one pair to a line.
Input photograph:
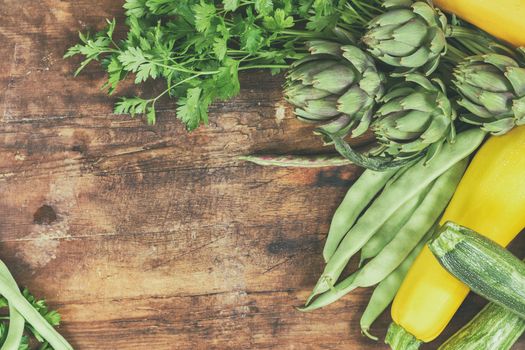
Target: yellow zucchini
[490,199]
[502,18]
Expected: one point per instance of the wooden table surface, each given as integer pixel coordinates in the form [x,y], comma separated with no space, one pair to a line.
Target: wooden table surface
[147,237]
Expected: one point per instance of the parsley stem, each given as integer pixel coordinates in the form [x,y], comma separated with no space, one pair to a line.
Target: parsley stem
[184,70]
[300,33]
[265,66]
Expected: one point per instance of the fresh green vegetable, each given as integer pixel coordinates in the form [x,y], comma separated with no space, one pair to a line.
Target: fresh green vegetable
[494,327]
[376,163]
[297,161]
[421,221]
[394,253]
[25,307]
[410,35]
[386,289]
[15,330]
[390,229]
[369,184]
[492,87]
[413,181]
[486,267]
[343,288]
[416,117]
[32,316]
[198,47]
[337,85]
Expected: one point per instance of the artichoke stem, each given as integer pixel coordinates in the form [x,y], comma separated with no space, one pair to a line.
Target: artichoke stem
[372,163]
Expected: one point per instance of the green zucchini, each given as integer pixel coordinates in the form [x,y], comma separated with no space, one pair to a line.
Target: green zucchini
[486,267]
[494,327]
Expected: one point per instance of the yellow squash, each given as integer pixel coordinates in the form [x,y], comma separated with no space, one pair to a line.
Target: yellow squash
[502,18]
[490,199]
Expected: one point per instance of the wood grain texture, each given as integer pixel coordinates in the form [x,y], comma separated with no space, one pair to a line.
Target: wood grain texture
[146,237]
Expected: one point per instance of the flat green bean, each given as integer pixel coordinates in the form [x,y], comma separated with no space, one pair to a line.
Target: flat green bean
[15,331]
[392,198]
[426,214]
[332,295]
[347,285]
[357,198]
[390,228]
[386,290]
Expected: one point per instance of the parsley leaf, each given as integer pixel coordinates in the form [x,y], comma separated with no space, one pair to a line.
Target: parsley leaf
[279,21]
[204,13]
[230,5]
[264,7]
[193,108]
[198,47]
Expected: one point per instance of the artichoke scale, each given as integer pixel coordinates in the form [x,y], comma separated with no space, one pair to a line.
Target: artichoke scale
[360,60]
[475,108]
[496,102]
[352,101]
[324,108]
[392,47]
[413,122]
[499,61]
[372,83]
[420,101]
[417,59]
[430,14]
[307,71]
[489,81]
[413,32]
[392,17]
[516,77]
[325,47]
[335,79]
[518,109]
[499,127]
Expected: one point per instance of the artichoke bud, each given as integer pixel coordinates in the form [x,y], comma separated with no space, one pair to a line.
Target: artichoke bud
[492,90]
[409,36]
[337,85]
[415,116]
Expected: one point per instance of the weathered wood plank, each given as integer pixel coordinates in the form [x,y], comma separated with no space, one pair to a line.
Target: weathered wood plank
[149,237]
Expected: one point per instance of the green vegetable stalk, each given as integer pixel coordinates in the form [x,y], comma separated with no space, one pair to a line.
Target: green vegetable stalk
[297,161]
[23,307]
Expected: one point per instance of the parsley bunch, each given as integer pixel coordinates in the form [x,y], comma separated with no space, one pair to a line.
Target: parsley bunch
[198,47]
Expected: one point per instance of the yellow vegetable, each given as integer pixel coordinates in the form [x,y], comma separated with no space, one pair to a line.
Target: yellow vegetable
[502,18]
[490,199]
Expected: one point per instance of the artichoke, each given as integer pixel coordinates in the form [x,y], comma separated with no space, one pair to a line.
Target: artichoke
[336,85]
[416,117]
[410,36]
[492,89]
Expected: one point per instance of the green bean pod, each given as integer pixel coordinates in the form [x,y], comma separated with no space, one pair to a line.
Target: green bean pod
[369,184]
[413,181]
[421,221]
[390,228]
[347,285]
[15,331]
[297,161]
[386,290]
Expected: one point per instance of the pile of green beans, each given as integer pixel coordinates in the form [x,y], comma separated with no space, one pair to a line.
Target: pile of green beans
[388,216]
